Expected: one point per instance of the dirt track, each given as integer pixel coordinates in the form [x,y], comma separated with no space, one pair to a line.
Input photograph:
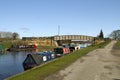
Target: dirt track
[100,64]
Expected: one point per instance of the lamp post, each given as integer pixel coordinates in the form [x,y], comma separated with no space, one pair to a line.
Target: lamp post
[58,30]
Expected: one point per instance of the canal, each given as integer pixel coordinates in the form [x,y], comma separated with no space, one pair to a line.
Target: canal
[11,63]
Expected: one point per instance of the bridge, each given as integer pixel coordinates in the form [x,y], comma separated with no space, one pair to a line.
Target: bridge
[72,38]
[59,39]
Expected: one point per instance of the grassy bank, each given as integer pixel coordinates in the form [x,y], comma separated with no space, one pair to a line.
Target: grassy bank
[40,73]
[6,44]
[117,45]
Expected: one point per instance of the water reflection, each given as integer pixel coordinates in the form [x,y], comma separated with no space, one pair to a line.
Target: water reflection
[11,63]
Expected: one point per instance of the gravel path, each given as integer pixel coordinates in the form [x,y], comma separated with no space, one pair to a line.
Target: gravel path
[100,64]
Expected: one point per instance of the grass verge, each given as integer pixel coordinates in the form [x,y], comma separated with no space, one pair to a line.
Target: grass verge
[41,72]
[6,44]
[117,45]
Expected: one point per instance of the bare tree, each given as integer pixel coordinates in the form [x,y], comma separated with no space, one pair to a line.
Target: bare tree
[6,34]
[115,35]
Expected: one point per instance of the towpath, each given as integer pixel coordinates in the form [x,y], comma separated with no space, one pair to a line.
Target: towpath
[100,64]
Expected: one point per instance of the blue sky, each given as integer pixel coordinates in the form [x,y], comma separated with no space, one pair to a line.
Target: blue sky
[75,17]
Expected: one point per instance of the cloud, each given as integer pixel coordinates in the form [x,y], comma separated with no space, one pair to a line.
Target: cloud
[24,29]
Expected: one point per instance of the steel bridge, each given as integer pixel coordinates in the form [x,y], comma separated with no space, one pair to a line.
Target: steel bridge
[72,38]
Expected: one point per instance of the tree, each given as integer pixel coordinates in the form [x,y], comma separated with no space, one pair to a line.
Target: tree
[15,36]
[115,35]
[101,35]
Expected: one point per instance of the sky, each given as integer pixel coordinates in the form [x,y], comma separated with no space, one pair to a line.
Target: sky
[37,18]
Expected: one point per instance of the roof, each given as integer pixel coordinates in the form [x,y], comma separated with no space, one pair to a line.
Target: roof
[37,58]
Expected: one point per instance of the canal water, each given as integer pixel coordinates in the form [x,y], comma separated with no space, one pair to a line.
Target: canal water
[11,63]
